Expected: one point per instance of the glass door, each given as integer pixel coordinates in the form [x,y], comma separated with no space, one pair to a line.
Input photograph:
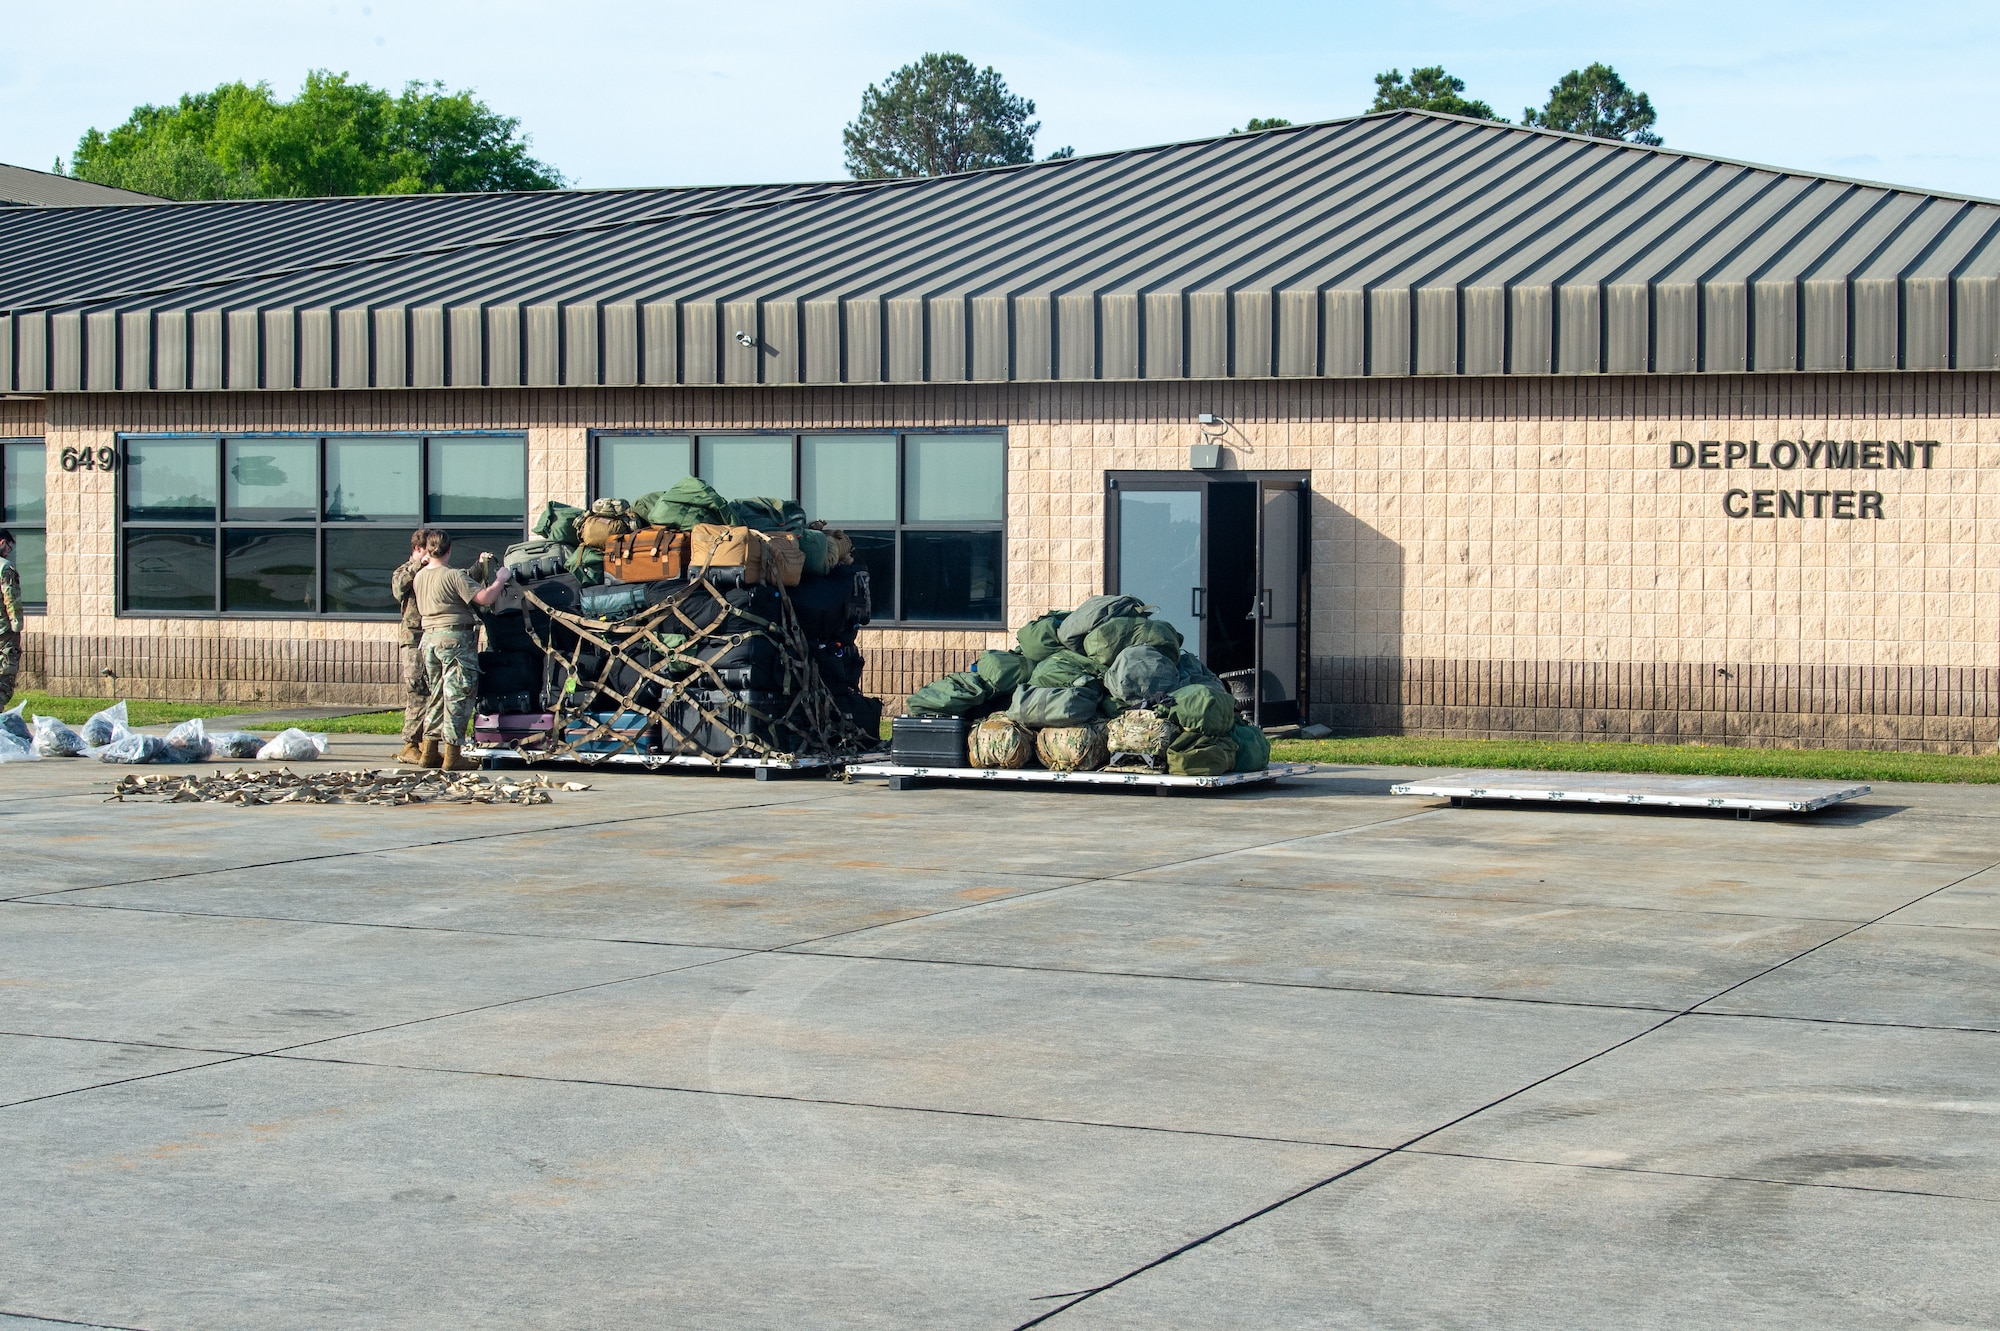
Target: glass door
[1221,557]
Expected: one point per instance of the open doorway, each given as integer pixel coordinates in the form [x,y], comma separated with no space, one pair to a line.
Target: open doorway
[1223,558]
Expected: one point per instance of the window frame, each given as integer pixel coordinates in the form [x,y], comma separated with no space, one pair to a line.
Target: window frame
[40,607]
[901,524]
[319,525]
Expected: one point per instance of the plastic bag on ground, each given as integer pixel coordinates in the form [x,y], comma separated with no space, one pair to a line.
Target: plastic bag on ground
[188,742]
[106,726]
[234,744]
[14,749]
[293,746]
[53,739]
[132,747]
[13,724]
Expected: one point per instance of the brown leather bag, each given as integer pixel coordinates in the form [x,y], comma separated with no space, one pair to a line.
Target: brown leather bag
[650,554]
[765,557]
[598,530]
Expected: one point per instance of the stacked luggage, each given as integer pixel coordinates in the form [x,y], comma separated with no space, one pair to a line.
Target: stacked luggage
[690,625]
[1104,685]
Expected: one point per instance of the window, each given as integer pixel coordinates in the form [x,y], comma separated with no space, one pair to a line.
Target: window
[24,510]
[927,510]
[292,525]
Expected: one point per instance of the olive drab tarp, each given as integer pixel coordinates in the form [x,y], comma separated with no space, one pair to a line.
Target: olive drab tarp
[1072,748]
[1041,637]
[1093,612]
[1063,669]
[1141,672]
[1253,747]
[999,742]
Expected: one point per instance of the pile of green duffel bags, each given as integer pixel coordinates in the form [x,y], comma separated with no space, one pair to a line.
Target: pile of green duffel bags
[1103,685]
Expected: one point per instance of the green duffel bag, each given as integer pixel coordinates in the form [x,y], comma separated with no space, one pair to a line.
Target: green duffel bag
[1039,707]
[1194,672]
[818,551]
[588,565]
[1141,672]
[1040,638]
[1253,747]
[1139,734]
[998,742]
[769,514]
[1105,642]
[1004,671]
[1205,709]
[1080,621]
[954,695]
[1194,754]
[686,504]
[1072,748]
[1063,669]
[559,522]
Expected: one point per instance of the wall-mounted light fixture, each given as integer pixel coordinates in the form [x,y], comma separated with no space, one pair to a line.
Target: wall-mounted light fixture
[1207,455]
[745,338]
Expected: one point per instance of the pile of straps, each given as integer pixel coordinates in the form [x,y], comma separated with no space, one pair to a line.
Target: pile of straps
[354,787]
[666,650]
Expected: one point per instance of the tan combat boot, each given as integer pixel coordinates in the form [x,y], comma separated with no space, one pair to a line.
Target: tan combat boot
[432,756]
[412,754]
[456,761]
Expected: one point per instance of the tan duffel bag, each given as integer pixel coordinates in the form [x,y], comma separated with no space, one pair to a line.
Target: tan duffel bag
[764,557]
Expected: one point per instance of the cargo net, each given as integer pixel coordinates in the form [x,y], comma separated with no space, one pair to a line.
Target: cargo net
[674,669]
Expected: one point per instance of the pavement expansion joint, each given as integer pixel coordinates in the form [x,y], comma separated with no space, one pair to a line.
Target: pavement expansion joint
[1752,1179]
[126,1081]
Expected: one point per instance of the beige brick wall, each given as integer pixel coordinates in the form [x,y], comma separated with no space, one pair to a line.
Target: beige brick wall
[1530,527]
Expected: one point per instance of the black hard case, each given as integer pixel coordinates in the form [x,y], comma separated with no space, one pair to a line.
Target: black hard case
[929,741]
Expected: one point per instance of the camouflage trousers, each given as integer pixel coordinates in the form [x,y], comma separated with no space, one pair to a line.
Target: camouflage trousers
[416,693]
[451,673]
[10,664]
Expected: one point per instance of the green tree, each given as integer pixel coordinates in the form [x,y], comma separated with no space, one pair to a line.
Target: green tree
[1255,124]
[1595,101]
[1427,89]
[937,116]
[335,137]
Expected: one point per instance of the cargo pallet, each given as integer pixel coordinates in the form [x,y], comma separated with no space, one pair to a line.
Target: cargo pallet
[763,769]
[903,776]
[1745,796]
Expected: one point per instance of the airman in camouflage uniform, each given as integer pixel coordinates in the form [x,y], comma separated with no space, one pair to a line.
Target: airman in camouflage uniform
[448,598]
[416,693]
[13,620]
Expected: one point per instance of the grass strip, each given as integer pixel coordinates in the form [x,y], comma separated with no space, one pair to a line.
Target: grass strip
[146,712]
[1674,759]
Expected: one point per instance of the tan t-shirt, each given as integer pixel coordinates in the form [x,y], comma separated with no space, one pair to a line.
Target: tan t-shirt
[444,598]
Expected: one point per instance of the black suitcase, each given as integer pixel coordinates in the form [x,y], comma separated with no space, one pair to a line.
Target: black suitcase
[502,673]
[833,606]
[929,741]
[732,710]
[509,633]
[840,664]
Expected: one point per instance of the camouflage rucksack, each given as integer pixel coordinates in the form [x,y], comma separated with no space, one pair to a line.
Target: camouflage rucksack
[1072,748]
[998,742]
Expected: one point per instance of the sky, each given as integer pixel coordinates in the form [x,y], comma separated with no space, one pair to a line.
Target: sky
[730,91]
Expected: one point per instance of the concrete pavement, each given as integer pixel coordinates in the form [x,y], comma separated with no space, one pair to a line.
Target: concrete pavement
[692,1051]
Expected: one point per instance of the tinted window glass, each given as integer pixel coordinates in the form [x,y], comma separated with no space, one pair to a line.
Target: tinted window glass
[266,571]
[23,484]
[748,468]
[170,570]
[849,477]
[478,478]
[628,468]
[877,551]
[31,561]
[266,480]
[953,575]
[954,478]
[372,480]
[358,565]
[170,479]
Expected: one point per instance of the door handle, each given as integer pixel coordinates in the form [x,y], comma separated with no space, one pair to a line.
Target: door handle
[1200,598]
[1261,607]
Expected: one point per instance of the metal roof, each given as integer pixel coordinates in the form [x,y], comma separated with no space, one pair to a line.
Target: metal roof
[22,185]
[1392,244]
